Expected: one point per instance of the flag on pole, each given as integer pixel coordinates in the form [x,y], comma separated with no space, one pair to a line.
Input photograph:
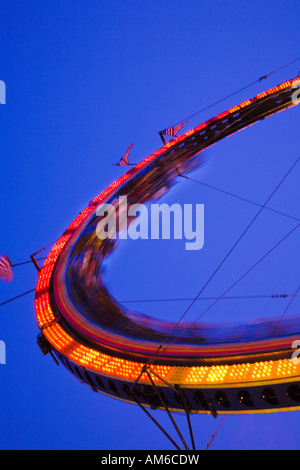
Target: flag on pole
[173,131]
[6,273]
[124,160]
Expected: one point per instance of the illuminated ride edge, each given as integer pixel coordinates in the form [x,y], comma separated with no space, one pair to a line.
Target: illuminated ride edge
[218,369]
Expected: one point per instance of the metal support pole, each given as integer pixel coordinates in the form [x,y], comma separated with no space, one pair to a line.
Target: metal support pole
[162,137]
[147,370]
[184,402]
[157,424]
[168,411]
[187,412]
[35,262]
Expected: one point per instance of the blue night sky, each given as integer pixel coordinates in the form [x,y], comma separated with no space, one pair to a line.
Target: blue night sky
[84,79]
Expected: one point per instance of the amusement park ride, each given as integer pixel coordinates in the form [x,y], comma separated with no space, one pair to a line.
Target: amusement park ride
[188,368]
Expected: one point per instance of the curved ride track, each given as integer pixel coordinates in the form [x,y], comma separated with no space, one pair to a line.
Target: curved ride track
[205,368]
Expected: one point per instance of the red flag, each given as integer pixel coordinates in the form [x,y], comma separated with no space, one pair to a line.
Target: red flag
[124,160]
[173,131]
[6,273]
